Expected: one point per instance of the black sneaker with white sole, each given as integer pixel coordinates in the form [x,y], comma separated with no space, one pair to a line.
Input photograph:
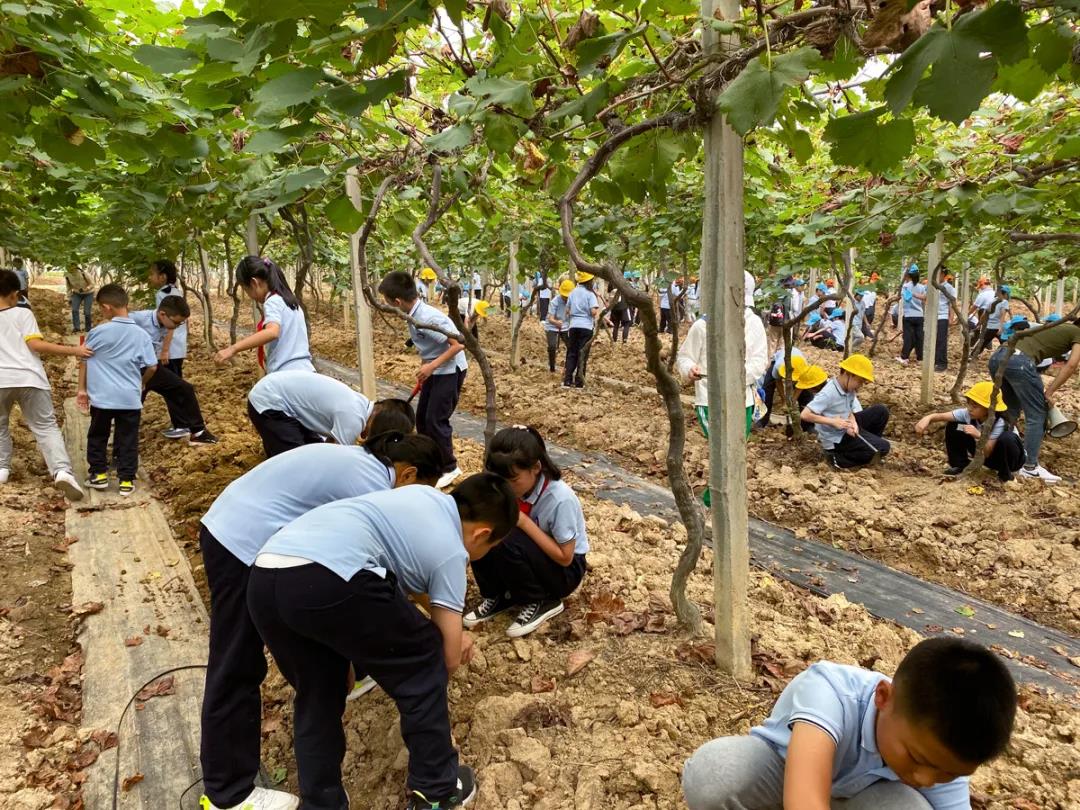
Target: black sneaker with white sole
[532,616]
[462,795]
[204,436]
[487,609]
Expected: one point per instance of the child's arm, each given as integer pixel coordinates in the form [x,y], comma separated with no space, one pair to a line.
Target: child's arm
[562,553]
[45,347]
[457,644]
[82,398]
[808,772]
[924,424]
[147,373]
[1064,373]
[163,355]
[453,347]
[253,341]
[808,415]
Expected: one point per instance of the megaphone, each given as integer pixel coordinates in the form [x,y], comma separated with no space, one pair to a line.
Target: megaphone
[1058,425]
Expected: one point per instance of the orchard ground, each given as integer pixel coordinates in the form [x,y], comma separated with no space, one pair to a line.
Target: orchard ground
[600,707]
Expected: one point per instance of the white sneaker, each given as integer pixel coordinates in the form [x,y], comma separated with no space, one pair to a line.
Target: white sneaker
[532,616]
[362,687]
[1041,473]
[901,361]
[448,478]
[66,483]
[176,433]
[259,799]
[5,473]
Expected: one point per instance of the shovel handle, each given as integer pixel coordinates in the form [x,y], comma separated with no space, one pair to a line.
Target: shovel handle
[415,391]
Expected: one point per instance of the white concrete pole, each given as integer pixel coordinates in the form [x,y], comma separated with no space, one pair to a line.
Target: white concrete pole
[365,340]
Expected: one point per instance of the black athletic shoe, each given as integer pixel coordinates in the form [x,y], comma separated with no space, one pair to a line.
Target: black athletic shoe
[953,470]
[532,616]
[204,436]
[462,795]
[487,609]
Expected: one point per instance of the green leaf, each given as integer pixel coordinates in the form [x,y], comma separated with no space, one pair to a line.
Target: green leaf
[965,610]
[753,97]
[84,154]
[911,225]
[295,87]
[450,139]
[1024,80]
[861,140]
[343,215]
[267,141]
[510,93]
[1052,46]
[1069,149]
[607,192]
[165,60]
[588,105]
[845,62]
[502,132]
[455,8]
[598,52]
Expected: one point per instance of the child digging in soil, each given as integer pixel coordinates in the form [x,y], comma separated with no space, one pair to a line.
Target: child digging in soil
[23,381]
[842,736]
[111,383]
[1004,451]
[542,561]
[330,589]
[233,532]
[850,436]
[443,369]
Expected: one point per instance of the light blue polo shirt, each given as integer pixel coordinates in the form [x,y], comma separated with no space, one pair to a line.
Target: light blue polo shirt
[997,310]
[963,416]
[913,307]
[947,293]
[290,350]
[778,360]
[839,700]
[834,401]
[275,493]
[431,344]
[413,531]
[557,310]
[122,351]
[557,511]
[579,307]
[319,403]
[178,346]
[839,330]
[148,321]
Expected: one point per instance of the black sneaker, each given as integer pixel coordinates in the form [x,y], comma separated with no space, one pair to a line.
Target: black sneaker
[532,616]
[487,609]
[204,436]
[462,795]
[953,471]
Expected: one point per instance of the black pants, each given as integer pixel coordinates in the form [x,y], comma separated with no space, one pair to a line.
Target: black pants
[984,341]
[280,432]
[1006,458]
[553,346]
[870,315]
[771,384]
[125,441]
[941,350]
[913,337]
[576,340]
[827,342]
[620,318]
[520,569]
[176,366]
[180,399]
[853,451]
[232,703]
[438,400]
[315,624]
[666,324]
[542,305]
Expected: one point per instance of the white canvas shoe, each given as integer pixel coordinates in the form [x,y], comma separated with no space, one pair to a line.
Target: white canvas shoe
[259,799]
[5,473]
[1041,473]
[448,478]
[66,483]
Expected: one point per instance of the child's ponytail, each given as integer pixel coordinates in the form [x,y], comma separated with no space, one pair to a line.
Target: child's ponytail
[520,446]
[253,267]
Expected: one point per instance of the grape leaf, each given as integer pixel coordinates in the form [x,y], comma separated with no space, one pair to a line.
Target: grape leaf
[294,87]
[501,132]
[860,140]
[166,60]
[1023,80]
[753,97]
[266,142]
[343,215]
[450,139]
[510,93]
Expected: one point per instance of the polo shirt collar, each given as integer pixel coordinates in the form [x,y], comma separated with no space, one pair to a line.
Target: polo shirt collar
[869,727]
[415,306]
[123,319]
[534,495]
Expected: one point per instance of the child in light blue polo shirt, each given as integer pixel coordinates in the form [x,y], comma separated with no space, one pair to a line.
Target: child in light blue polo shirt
[331,589]
[173,349]
[581,308]
[555,324]
[849,434]
[542,561]
[111,385]
[842,732]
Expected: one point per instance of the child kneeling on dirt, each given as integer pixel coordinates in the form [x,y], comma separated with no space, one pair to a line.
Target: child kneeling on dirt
[542,561]
[850,436]
[1004,451]
[330,589]
[843,732]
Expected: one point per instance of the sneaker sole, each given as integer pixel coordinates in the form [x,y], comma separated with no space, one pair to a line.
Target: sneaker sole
[98,487]
[358,693]
[71,491]
[126,492]
[524,630]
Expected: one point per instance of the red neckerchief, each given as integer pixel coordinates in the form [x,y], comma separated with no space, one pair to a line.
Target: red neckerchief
[258,328]
[525,507]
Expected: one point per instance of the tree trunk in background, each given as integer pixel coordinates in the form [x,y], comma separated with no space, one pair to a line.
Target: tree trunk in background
[305,248]
[233,294]
[515,305]
[203,294]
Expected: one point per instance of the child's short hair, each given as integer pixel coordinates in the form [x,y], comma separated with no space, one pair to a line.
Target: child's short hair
[487,498]
[390,415]
[166,268]
[9,282]
[175,306]
[113,295]
[519,446]
[398,285]
[420,451]
[962,693]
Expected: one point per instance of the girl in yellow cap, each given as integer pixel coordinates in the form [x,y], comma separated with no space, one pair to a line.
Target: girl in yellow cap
[850,435]
[556,324]
[1004,450]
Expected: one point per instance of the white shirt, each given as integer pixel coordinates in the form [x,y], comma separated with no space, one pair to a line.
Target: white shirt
[985,298]
[693,351]
[19,366]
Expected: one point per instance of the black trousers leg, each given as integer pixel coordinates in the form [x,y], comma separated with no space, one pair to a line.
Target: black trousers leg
[279,431]
[627,321]
[959,447]
[542,308]
[552,348]
[1007,457]
[97,440]
[438,400]
[913,337]
[853,451]
[665,319]
[770,394]
[576,339]
[519,568]
[232,704]
[180,399]
[941,350]
[315,623]
[176,366]
[126,443]
[583,361]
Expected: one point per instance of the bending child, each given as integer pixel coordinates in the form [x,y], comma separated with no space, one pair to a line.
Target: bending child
[850,436]
[843,732]
[542,561]
[1004,451]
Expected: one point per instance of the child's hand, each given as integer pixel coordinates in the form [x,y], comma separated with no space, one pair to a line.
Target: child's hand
[971,431]
[468,647]
[922,425]
[83,351]
[695,374]
[849,426]
[223,356]
[425,371]
[164,359]
[82,401]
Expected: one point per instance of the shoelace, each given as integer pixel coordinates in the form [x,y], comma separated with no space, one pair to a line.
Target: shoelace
[529,613]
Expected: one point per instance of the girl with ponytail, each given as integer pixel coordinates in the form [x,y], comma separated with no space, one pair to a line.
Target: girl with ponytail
[281,337]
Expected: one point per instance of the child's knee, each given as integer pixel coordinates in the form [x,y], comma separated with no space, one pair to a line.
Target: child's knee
[718,775]
[885,795]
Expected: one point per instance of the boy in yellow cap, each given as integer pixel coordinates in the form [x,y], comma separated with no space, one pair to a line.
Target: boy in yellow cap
[581,308]
[1004,451]
[850,435]
[556,324]
[771,381]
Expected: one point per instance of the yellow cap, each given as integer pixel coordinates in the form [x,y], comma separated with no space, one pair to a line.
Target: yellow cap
[980,393]
[797,363]
[810,377]
[566,288]
[583,277]
[860,366]
[482,307]
[427,274]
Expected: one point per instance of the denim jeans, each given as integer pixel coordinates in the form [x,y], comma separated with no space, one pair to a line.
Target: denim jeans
[86,300]
[1022,390]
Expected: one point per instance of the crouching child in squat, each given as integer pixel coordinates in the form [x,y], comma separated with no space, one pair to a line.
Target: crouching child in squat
[850,435]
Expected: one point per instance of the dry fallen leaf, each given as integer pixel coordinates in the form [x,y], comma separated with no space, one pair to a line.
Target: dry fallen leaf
[134,641]
[88,608]
[159,688]
[577,661]
[658,699]
[540,684]
[130,781]
[1016,633]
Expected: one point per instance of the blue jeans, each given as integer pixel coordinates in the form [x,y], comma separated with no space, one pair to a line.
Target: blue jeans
[1022,390]
[87,301]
